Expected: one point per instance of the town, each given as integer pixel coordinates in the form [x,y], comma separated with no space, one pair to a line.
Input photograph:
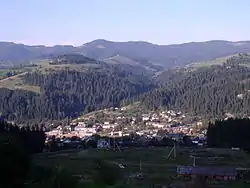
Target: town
[125,121]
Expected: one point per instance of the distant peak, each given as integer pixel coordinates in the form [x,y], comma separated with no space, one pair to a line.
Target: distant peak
[99,41]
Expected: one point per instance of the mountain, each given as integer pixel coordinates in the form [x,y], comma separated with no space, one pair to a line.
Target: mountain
[144,53]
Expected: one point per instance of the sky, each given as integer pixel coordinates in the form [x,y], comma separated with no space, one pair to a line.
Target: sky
[75,22]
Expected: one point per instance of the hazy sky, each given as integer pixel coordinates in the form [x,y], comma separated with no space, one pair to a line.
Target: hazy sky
[159,21]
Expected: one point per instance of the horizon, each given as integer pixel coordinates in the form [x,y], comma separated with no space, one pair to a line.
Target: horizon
[35,45]
[164,22]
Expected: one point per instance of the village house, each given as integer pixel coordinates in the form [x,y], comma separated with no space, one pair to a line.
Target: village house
[158,125]
[67,128]
[145,117]
[80,127]
[55,132]
[117,133]
[86,132]
[81,123]
[108,126]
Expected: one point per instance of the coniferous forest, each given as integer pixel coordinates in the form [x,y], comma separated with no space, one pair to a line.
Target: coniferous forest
[69,93]
[229,133]
[209,91]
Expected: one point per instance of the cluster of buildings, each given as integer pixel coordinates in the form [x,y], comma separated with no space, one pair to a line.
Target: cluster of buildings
[118,123]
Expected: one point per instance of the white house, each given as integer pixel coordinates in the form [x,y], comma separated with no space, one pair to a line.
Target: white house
[109,126]
[80,128]
[145,118]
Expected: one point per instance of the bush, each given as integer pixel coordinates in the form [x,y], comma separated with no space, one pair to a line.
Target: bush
[62,178]
[105,173]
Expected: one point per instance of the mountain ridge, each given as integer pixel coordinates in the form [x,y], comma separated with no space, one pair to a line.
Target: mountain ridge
[167,56]
[129,41]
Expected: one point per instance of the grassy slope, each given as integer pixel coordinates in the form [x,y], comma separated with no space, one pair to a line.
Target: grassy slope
[217,61]
[16,82]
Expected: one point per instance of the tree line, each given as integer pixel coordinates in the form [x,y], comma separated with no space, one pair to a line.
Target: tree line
[239,59]
[16,146]
[229,133]
[33,138]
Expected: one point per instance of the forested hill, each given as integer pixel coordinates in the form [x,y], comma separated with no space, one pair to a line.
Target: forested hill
[68,93]
[209,92]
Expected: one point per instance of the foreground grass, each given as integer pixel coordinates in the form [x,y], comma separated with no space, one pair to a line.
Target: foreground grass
[153,163]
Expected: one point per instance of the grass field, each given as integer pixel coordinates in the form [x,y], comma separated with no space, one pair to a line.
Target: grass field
[217,61]
[16,82]
[45,66]
[3,72]
[153,163]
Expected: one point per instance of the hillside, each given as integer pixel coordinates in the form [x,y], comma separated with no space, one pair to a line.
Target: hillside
[76,84]
[208,92]
[144,53]
[69,93]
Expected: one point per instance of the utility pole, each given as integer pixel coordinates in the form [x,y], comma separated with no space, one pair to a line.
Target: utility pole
[140,166]
[174,151]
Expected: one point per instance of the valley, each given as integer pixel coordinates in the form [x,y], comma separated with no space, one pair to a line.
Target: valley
[126,110]
[124,94]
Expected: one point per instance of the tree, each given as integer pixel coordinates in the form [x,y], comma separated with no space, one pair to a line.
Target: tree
[187,140]
[166,142]
[15,161]
[229,133]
